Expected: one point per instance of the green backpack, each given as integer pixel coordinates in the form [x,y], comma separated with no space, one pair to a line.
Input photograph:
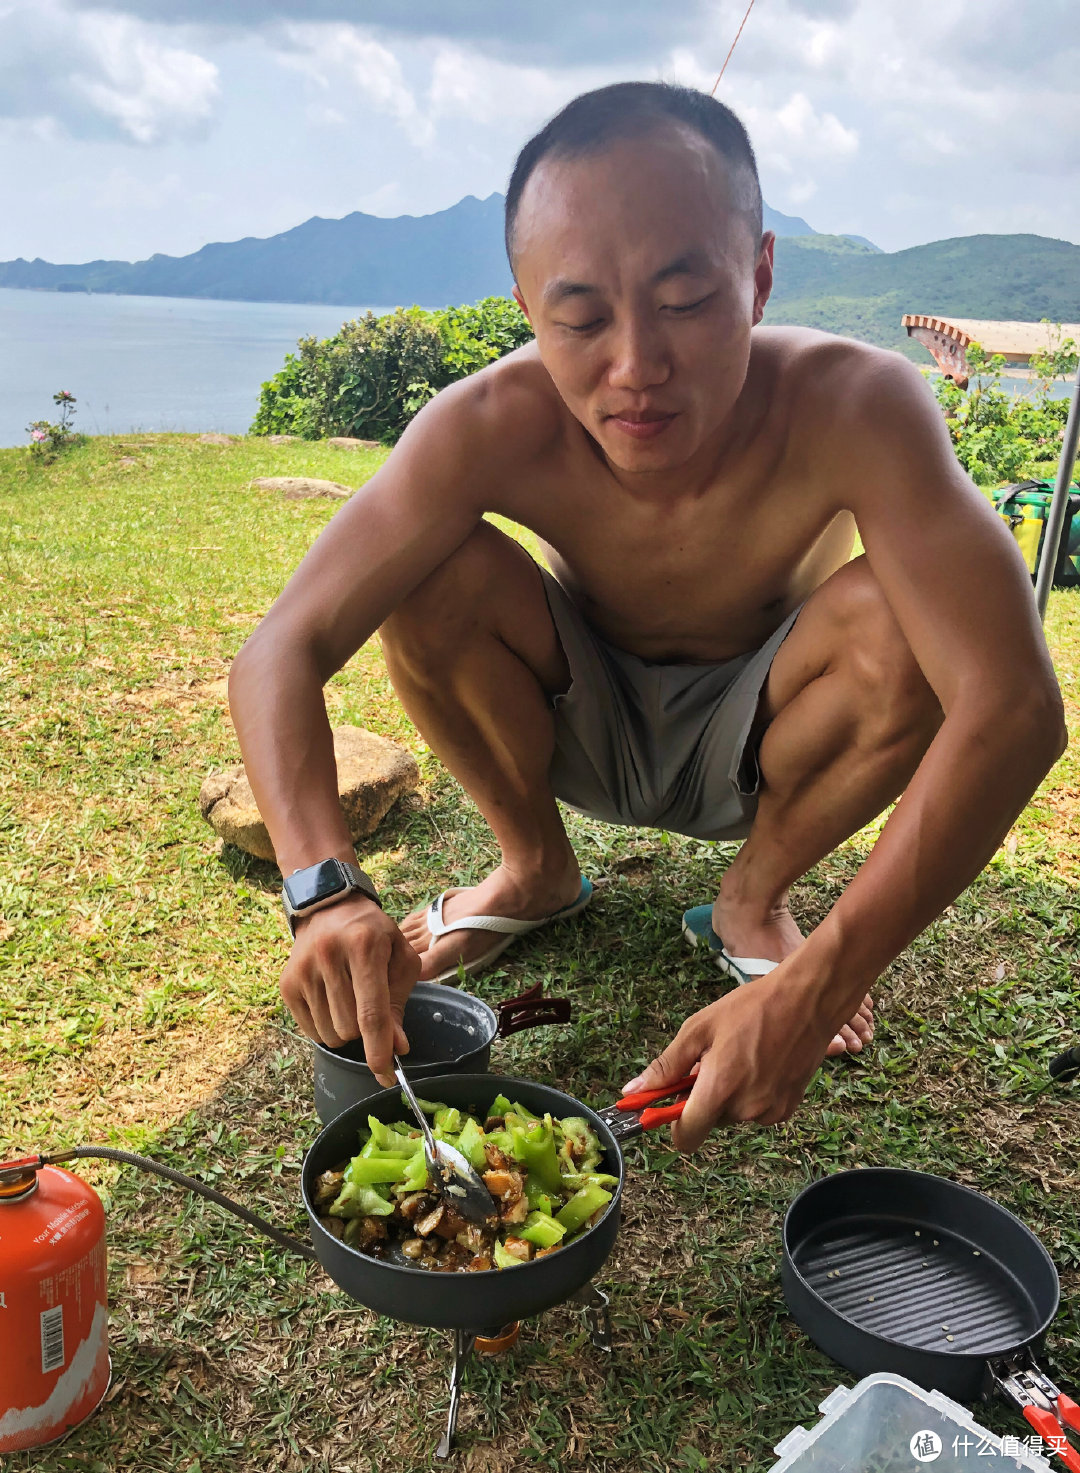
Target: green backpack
[1025,507]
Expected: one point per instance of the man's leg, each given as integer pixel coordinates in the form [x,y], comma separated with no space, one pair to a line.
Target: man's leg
[475,658]
[847,716]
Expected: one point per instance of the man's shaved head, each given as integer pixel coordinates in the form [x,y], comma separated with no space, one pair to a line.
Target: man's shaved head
[630,109]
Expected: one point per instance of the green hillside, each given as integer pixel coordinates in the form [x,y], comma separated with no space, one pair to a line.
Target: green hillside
[831,282]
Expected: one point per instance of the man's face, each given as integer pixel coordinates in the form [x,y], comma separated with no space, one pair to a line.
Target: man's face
[642,279]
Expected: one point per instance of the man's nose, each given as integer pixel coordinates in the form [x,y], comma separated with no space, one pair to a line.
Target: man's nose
[639,358]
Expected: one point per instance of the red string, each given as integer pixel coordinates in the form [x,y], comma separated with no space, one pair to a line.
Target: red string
[734,43]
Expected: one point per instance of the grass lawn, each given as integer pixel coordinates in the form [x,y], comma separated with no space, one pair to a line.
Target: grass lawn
[139,1007]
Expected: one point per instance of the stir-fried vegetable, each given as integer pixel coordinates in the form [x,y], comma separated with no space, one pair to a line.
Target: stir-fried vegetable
[541,1172]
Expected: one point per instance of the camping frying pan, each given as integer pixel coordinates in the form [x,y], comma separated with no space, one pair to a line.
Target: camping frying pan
[892,1270]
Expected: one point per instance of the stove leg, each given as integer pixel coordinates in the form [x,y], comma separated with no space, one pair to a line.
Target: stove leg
[597,1318]
[463,1344]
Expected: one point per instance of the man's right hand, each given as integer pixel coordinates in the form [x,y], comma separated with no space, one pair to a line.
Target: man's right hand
[348,977]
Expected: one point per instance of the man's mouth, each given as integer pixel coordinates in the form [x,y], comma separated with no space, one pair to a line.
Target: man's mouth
[640,424]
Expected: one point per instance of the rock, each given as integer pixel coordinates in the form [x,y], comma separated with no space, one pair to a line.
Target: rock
[373,773]
[299,488]
[280,439]
[218,439]
[346,442]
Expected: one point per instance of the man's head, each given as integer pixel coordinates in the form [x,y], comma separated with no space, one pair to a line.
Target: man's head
[633,226]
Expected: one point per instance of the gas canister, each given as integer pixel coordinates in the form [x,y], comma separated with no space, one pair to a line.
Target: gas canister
[54,1331]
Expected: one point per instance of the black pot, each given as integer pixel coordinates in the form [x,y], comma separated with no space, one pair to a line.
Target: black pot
[893,1270]
[449,1032]
[461,1301]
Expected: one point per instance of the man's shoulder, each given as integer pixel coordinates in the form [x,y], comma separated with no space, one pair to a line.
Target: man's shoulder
[807,360]
[511,406]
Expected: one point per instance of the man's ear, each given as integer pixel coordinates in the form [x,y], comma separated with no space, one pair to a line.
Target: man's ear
[520,300]
[763,275]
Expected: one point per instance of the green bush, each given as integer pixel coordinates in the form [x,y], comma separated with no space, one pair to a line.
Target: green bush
[373,375]
[999,437]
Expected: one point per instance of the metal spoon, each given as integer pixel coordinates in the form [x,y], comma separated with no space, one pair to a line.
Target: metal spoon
[452,1176]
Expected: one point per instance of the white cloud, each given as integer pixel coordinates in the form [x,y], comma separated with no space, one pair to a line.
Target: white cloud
[98,74]
[342,60]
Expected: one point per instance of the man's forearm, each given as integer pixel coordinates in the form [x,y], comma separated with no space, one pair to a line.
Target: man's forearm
[975,778]
[276,699]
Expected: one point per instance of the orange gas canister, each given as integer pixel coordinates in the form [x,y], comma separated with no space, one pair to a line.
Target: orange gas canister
[54,1330]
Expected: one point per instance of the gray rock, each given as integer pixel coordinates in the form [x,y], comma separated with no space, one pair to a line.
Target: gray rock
[280,439]
[347,442]
[218,439]
[300,488]
[373,773]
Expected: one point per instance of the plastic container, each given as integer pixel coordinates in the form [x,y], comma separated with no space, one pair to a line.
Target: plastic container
[886,1424]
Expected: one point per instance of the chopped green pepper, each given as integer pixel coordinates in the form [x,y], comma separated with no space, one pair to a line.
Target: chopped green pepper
[581,1206]
[499,1106]
[504,1259]
[355,1200]
[542,1230]
[367,1170]
[471,1144]
[448,1119]
[535,1149]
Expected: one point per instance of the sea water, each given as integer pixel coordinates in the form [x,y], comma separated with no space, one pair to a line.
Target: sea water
[145,363]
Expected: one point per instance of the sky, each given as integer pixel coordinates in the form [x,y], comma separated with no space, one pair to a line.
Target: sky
[159,125]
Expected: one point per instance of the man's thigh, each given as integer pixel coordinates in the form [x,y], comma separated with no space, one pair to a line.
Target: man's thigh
[846,622]
[488,586]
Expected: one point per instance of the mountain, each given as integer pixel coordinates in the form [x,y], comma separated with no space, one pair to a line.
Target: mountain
[833,283]
[842,283]
[454,255]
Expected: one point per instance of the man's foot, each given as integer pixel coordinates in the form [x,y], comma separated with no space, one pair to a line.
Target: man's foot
[501,894]
[774,936]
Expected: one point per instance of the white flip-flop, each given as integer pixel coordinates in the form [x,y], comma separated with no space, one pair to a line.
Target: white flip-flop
[697,928]
[504,927]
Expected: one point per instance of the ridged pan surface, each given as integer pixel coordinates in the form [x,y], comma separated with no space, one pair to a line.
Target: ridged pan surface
[894,1270]
[921,1286]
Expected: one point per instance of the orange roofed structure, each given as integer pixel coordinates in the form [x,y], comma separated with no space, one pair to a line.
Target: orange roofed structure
[948,339]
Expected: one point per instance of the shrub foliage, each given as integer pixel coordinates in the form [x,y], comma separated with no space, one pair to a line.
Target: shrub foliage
[372,376]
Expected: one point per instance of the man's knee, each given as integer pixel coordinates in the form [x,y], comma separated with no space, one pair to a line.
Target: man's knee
[893,689]
[457,593]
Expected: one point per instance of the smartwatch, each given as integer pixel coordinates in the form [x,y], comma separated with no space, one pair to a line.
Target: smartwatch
[322,884]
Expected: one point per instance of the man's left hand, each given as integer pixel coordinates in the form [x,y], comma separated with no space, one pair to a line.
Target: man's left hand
[755,1051]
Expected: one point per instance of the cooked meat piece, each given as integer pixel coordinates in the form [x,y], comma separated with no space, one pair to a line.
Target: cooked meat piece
[519,1247]
[334,1225]
[514,1211]
[473,1237]
[364,1232]
[427,1224]
[412,1247]
[415,1205]
[540,1252]
[496,1159]
[450,1223]
[504,1185]
[327,1187]
[479,1264]
[495,1122]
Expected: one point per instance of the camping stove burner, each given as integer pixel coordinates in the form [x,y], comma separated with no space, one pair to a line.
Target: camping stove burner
[494,1340]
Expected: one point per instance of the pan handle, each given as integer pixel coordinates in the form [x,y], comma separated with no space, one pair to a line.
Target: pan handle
[530,1010]
[1021,1380]
[1049,1429]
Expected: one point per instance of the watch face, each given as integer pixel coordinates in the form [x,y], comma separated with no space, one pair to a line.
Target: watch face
[316,884]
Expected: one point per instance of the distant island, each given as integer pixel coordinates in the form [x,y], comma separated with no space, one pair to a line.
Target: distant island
[841,283]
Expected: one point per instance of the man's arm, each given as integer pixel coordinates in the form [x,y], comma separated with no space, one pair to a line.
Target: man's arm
[351,969]
[962,596]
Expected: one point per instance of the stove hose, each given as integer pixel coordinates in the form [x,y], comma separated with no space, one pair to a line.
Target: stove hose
[144,1163]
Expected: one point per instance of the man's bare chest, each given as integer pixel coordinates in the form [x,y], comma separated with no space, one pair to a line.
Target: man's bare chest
[689,579]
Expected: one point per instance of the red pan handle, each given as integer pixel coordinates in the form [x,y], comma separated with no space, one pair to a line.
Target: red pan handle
[1068,1411]
[1049,1428]
[650,1119]
[530,1010]
[645,1097]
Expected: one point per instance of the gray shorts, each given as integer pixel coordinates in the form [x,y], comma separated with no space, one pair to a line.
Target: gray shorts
[656,745]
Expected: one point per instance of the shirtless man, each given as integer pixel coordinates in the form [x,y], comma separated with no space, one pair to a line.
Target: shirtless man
[709,660]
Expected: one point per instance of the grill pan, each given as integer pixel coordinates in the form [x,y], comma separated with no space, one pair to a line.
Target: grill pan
[892,1270]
